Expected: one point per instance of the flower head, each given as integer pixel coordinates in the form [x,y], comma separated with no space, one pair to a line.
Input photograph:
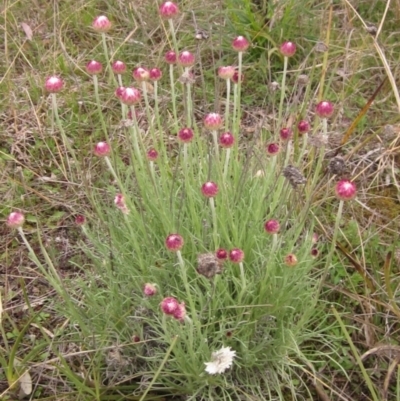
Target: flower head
[101,24]
[149,289]
[288,49]
[272,226]
[169,305]
[130,96]
[152,155]
[303,127]
[174,242]
[168,10]
[155,74]
[209,265]
[226,72]
[346,190]
[285,134]
[185,135]
[221,254]
[226,140]
[118,67]
[236,255]
[141,74]
[236,79]
[102,149]
[186,59]
[324,109]
[93,67]
[53,84]
[180,312]
[220,361]
[240,44]
[170,57]
[213,121]
[273,149]
[15,219]
[119,201]
[80,219]
[209,189]
[290,260]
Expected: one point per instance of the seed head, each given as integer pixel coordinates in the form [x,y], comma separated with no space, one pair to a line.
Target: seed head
[303,127]
[346,190]
[170,57]
[53,84]
[290,260]
[226,140]
[174,242]
[240,44]
[168,10]
[293,174]
[288,49]
[149,290]
[101,24]
[236,255]
[221,254]
[273,149]
[324,109]
[15,219]
[130,96]
[272,226]
[118,67]
[102,149]
[226,72]
[209,265]
[152,155]
[141,74]
[155,74]
[186,59]
[286,134]
[213,121]
[94,67]
[169,305]
[185,135]
[209,189]
[337,166]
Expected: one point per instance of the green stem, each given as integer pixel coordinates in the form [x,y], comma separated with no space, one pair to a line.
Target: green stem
[101,116]
[172,82]
[283,89]
[228,96]
[215,226]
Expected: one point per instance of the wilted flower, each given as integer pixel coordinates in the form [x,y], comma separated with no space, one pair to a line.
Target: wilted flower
[220,361]
[294,176]
[209,265]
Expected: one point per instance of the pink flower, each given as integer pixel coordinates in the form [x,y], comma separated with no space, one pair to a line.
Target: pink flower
[118,67]
[290,260]
[170,57]
[324,109]
[240,44]
[149,290]
[141,74]
[303,126]
[174,242]
[130,96]
[236,255]
[15,219]
[286,134]
[186,59]
[273,149]
[155,74]
[169,305]
[180,312]
[272,226]
[168,10]
[93,67]
[101,24]
[213,121]
[221,254]
[185,135]
[209,189]
[80,220]
[226,140]
[346,190]
[53,84]
[226,72]
[152,155]
[102,149]
[119,201]
[288,49]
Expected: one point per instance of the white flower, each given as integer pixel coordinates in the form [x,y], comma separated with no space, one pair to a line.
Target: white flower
[220,361]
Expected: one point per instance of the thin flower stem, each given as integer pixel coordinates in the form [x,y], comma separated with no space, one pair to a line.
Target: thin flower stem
[148,112]
[173,96]
[216,147]
[108,66]
[226,164]
[189,104]
[172,29]
[101,116]
[227,106]
[283,89]
[239,90]
[215,226]
[135,135]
